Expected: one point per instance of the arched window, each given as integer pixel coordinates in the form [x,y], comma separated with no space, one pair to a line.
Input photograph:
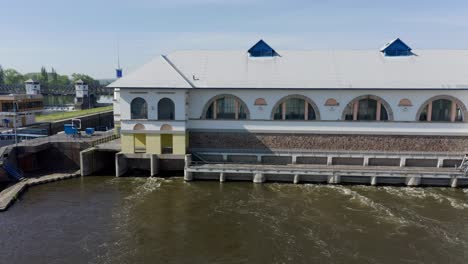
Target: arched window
[367,108]
[166,109]
[295,108]
[226,107]
[441,110]
[139,108]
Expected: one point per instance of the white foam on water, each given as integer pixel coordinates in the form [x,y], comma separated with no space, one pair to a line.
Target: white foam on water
[456,203]
[319,243]
[385,212]
[421,193]
[150,185]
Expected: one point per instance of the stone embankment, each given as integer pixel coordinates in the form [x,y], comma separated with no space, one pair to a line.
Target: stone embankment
[10,194]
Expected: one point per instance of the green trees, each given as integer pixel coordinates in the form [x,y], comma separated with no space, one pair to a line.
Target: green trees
[2,76]
[44,77]
[13,77]
[87,79]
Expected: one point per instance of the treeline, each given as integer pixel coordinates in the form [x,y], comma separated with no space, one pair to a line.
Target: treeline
[46,78]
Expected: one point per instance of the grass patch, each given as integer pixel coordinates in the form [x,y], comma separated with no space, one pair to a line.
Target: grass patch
[67,115]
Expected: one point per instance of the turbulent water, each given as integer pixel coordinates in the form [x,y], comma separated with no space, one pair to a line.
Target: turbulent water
[153,220]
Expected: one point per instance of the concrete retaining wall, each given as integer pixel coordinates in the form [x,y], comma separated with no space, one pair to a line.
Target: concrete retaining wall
[276,160]
[93,161]
[348,161]
[421,162]
[266,142]
[386,162]
[312,160]
[94,120]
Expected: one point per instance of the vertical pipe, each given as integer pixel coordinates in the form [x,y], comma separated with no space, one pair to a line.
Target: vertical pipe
[429,112]
[355,110]
[306,110]
[236,106]
[453,112]
[283,110]
[379,110]
[215,109]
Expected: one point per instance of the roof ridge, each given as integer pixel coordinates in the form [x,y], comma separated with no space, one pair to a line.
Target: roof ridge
[178,71]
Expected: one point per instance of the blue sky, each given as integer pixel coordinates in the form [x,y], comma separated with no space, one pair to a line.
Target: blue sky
[81,36]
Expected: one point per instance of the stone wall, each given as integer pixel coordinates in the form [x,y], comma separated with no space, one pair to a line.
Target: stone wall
[265,142]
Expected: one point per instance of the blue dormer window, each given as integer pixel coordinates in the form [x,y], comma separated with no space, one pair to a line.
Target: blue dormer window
[396,48]
[262,49]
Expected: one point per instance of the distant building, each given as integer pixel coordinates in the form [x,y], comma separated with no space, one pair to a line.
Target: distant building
[33,87]
[23,107]
[83,98]
[264,98]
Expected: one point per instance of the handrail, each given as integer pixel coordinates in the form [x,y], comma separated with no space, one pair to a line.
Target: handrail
[105,139]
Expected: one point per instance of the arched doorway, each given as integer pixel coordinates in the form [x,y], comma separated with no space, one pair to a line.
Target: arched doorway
[167,142]
[139,139]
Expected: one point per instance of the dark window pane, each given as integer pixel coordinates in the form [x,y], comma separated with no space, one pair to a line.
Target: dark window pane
[166,109]
[311,114]
[295,109]
[441,110]
[139,109]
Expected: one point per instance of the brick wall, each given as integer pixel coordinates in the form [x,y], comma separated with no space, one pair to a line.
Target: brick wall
[252,141]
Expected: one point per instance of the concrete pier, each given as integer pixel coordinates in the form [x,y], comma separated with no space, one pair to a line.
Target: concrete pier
[154,165]
[413,181]
[188,176]
[402,162]
[259,178]
[335,174]
[296,179]
[373,180]
[10,194]
[454,182]
[120,164]
[333,179]
[222,177]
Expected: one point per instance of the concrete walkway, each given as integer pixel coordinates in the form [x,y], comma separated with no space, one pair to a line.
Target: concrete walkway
[10,194]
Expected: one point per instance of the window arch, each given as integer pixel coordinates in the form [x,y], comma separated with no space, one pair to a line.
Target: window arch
[295,107]
[139,108]
[226,107]
[442,108]
[139,127]
[166,109]
[368,108]
[166,127]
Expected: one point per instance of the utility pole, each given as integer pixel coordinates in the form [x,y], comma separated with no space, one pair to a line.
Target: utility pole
[15,106]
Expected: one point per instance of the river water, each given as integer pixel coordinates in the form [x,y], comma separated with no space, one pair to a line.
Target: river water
[154,220]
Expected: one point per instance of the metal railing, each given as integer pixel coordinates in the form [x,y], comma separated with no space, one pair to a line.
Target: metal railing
[105,139]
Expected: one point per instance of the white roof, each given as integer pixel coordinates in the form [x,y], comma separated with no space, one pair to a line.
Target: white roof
[428,69]
[156,74]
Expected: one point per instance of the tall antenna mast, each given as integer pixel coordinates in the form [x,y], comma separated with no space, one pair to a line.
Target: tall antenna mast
[118,55]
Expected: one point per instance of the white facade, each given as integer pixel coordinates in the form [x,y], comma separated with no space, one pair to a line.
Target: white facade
[403,86]
[33,87]
[405,118]
[81,89]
